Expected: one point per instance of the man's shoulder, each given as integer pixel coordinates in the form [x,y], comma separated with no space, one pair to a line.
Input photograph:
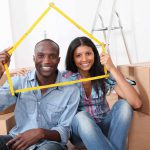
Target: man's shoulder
[68,82]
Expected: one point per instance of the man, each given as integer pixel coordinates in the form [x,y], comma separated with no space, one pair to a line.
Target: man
[43,117]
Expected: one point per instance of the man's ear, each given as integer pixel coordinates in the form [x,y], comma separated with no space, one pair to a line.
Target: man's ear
[59,59]
[33,58]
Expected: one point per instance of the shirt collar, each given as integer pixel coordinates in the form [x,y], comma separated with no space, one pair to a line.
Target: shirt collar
[32,77]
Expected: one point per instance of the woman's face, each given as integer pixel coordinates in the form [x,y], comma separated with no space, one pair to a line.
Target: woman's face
[84,58]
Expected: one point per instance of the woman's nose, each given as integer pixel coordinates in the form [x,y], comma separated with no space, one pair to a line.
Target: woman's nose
[83,58]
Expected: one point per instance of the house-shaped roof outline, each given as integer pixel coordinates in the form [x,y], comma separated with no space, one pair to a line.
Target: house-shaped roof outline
[52,5]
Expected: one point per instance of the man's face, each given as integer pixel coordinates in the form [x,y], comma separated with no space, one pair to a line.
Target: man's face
[46,59]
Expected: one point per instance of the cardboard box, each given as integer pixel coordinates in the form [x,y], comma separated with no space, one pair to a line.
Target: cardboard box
[8,110]
[139,134]
[7,121]
[141,74]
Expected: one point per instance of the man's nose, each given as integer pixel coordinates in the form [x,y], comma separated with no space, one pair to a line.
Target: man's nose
[46,60]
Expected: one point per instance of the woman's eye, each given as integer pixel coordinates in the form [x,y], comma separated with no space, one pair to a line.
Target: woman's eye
[78,55]
[88,53]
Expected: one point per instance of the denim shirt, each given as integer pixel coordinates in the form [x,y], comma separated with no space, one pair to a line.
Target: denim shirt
[95,105]
[53,111]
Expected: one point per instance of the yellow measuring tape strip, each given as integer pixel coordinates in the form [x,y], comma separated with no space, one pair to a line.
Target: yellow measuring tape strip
[56,84]
[18,43]
[9,79]
[28,31]
[61,84]
[76,24]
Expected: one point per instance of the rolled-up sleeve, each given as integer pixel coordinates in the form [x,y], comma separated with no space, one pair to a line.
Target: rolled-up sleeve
[6,99]
[64,125]
[110,83]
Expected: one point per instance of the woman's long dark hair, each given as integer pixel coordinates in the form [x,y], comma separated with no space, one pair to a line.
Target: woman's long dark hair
[96,70]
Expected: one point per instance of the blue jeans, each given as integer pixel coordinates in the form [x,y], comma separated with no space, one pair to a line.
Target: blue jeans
[51,146]
[109,134]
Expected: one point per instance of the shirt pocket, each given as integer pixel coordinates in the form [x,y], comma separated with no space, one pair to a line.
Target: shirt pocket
[54,113]
[27,102]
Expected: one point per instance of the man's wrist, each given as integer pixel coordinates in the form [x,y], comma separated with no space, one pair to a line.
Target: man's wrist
[42,133]
[1,74]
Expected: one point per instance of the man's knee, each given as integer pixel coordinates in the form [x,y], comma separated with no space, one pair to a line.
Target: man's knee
[52,146]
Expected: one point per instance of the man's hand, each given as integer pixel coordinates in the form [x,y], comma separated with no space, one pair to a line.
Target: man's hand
[4,59]
[26,139]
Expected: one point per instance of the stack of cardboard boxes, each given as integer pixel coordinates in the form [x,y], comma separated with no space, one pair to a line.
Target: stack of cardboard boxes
[7,121]
[139,134]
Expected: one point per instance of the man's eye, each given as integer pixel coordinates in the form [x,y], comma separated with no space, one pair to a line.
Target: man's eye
[40,56]
[53,57]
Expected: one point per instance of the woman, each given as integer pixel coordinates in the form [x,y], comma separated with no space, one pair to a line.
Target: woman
[95,125]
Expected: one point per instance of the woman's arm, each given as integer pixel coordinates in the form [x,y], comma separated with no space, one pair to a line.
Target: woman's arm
[123,88]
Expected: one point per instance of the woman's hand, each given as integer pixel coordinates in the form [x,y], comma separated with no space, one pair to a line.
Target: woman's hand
[105,60]
[20,72]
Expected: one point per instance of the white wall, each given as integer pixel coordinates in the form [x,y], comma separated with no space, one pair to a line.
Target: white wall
[134,16]
[5,28]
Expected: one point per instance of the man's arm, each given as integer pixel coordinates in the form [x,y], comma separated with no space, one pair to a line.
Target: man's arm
[6,99]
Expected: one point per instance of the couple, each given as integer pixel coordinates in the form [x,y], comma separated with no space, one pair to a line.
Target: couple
[45,118]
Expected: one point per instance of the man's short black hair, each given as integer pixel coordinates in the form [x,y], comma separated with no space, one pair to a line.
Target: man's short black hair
[47,40]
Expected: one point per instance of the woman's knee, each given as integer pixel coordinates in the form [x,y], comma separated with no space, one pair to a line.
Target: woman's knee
[124,109]
[83,122]
[82,118]
[82,115]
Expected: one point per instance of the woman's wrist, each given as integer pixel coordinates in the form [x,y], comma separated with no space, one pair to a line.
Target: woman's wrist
[112,69]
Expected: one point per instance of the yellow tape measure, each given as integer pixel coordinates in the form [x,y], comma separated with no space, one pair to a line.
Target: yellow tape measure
[51,5]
